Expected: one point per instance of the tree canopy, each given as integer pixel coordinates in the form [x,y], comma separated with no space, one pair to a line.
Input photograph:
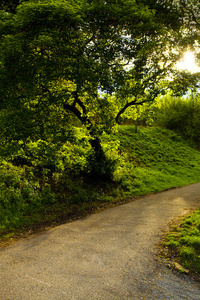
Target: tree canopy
[91,59]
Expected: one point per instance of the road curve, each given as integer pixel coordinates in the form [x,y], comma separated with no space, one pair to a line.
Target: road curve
[109,255]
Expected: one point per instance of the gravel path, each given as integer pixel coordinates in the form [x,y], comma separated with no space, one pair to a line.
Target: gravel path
[109,255]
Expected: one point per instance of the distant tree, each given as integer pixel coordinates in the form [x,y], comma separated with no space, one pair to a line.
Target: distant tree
[180,114]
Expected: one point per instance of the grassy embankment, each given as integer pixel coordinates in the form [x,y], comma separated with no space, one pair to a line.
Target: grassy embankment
[182,243]
[151,160]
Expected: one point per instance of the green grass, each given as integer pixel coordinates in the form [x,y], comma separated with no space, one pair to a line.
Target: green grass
[155,159]
[152,160]
[183,242]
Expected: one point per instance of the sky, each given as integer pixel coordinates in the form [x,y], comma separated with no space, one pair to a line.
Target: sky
[188,63]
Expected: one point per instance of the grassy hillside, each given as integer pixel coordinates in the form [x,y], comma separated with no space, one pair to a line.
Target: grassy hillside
[152,160]
[155,159]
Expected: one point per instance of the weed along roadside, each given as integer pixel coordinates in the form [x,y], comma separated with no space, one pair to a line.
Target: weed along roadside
[182,244]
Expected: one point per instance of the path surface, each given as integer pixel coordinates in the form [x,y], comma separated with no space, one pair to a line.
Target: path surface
[110,255]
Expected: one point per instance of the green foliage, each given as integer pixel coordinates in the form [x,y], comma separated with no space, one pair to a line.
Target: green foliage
[170,240]
[79,197]
[186,241]
[187,253]
[9,6]
[55,57]
[142,115]
[102,169]
[63,176]
[19,196]
[181,115]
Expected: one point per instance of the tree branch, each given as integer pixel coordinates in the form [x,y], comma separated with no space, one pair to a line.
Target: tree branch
[76,112]
[78,101]
[134,102]
[123,110]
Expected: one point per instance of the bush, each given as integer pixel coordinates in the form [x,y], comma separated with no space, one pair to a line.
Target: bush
[100,169]
[80,197]
[180,114]
[20,195]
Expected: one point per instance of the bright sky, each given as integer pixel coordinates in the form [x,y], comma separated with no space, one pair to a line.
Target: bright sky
[188,63]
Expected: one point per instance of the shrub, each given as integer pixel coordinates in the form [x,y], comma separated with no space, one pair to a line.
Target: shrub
[80,197]
[180,114]
[20,195]
[100,169]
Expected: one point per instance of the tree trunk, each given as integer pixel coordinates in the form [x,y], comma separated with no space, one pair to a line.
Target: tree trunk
[136,125]
[95,140]
[96,146]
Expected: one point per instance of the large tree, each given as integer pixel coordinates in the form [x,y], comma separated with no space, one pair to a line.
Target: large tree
[69,55]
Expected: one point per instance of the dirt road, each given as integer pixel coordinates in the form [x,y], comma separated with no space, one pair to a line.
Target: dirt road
[110,255]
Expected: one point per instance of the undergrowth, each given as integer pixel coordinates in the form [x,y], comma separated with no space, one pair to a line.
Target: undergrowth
[152,160]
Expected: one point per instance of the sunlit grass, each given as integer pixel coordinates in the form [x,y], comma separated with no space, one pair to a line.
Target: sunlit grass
[184,242]
[155,159]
